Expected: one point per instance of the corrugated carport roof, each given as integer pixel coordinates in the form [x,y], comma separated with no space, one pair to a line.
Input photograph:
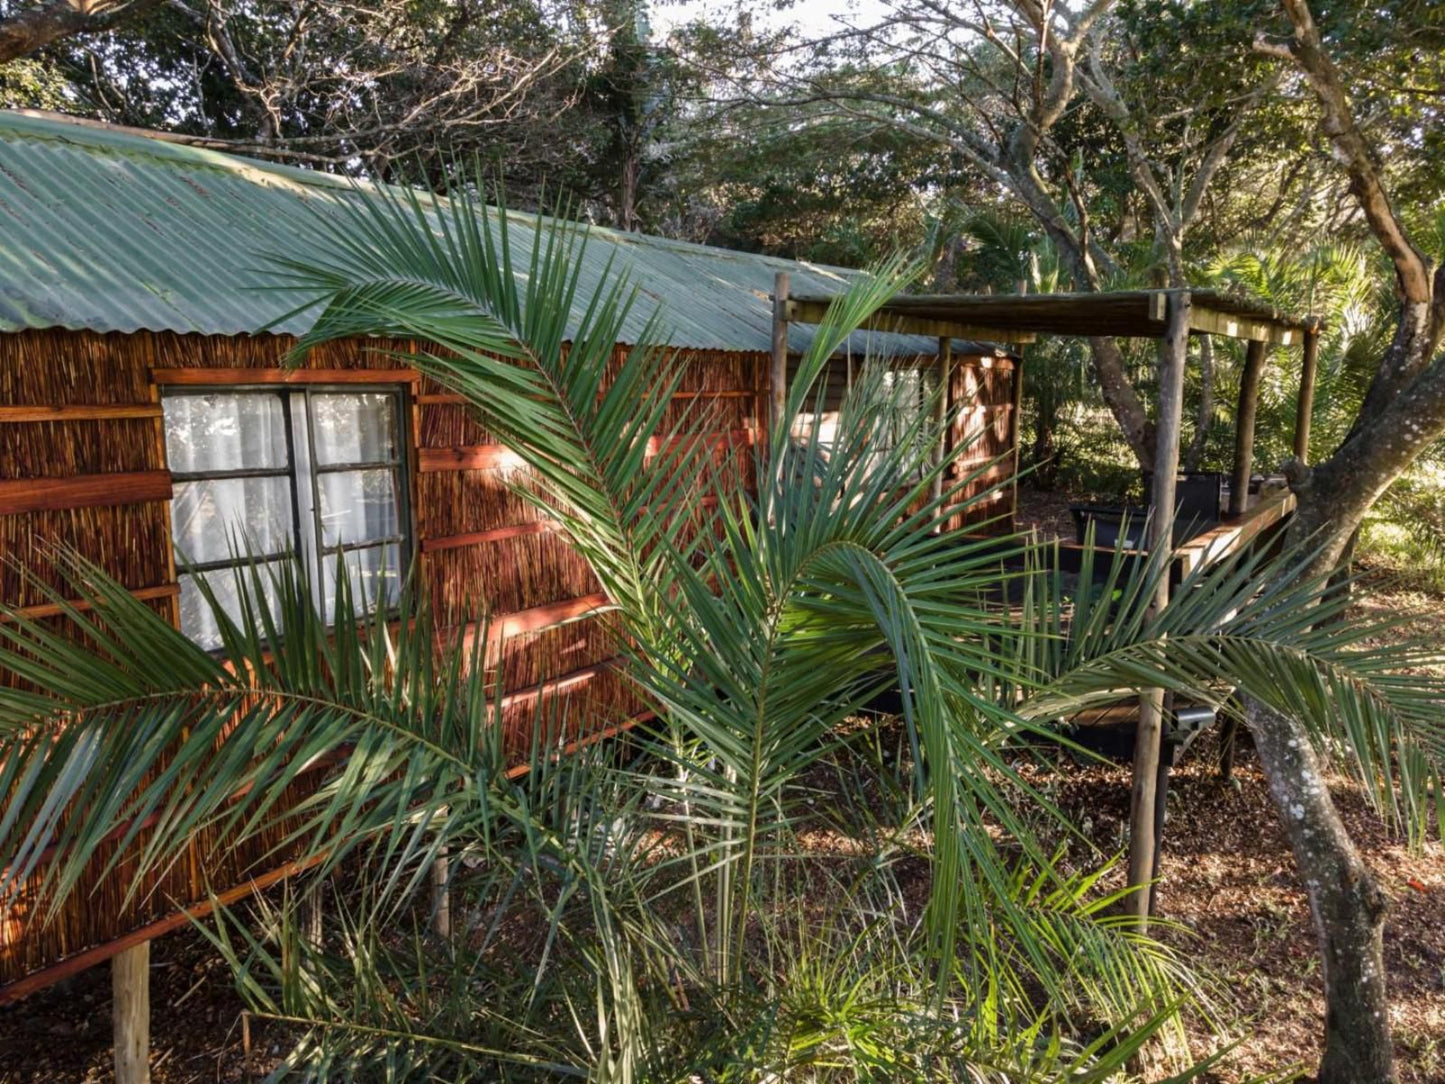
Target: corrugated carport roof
[1124,313]
[108,229]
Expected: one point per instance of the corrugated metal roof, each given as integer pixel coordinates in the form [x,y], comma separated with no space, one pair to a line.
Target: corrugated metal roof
[111,230]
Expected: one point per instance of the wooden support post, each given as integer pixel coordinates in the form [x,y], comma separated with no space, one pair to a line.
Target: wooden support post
[945,441]
[1306,405]
[313,918]
[1167,749]
[441,897]
[1147,739]
[1228,737]
[130,982]
[1255,354]
[778,371]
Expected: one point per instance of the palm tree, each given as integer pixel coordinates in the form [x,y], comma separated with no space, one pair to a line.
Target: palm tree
[754,627]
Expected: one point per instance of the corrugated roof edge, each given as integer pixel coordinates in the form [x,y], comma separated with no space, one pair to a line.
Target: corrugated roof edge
[161,146]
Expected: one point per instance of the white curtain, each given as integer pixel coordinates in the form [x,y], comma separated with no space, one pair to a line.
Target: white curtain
[358,505]
[213,518]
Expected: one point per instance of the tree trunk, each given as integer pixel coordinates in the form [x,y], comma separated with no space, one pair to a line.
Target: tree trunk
[31,29]
[1123,401]
[1045,459]
[1347,905]
[1204,417]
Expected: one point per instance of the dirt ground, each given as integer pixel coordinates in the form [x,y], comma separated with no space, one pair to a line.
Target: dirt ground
[1228,881]
[1047,512]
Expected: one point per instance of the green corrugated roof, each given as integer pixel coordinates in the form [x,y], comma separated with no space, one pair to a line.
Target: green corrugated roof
[113,230]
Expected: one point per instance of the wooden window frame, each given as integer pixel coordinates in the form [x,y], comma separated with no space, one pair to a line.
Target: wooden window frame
[293,392]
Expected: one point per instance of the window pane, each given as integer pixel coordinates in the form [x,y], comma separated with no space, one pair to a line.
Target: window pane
[206,515]
[357,506]
[354,428]
[375,577]
[198,620]
[225,431]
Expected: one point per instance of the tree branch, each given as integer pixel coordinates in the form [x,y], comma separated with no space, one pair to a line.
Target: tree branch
[32,29]
[1350,147]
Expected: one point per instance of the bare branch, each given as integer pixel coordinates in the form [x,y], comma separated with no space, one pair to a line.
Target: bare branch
[31,29]
[1350,147]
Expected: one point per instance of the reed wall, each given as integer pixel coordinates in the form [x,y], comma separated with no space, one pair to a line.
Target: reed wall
[83,464]
[986,392]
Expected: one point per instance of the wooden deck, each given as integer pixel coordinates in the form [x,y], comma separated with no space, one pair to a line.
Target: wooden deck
[1265,518]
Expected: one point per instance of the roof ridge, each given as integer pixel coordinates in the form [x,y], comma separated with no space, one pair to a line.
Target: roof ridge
[170,147]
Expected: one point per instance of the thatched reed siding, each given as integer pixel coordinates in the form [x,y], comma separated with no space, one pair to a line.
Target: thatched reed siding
[83,464]
[986,391]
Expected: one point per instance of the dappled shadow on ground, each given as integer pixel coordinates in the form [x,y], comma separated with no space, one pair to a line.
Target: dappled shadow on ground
[1229,883]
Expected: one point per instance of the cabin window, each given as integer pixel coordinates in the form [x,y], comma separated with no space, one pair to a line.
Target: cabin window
[276,471]
[908,395]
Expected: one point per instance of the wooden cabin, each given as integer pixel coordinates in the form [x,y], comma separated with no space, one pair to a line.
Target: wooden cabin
[145,410]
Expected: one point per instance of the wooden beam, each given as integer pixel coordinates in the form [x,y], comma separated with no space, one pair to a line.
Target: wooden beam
[1255,355]
[83,491]
[588,739]
[1304,409]
[563,683]
[84,961]
[1148,737]
[716,441]
[130,980]
[55,609]
[466,457]
[898,323]
[535,618]
[1210,322]
[208,376]
[1122,313]
[476,538]
[778,359]
[79,412]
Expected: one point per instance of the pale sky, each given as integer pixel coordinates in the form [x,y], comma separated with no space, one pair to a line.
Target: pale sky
[813,17]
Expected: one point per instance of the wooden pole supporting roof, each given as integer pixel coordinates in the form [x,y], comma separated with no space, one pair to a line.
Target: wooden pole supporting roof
[1244,415]
[1145,823]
